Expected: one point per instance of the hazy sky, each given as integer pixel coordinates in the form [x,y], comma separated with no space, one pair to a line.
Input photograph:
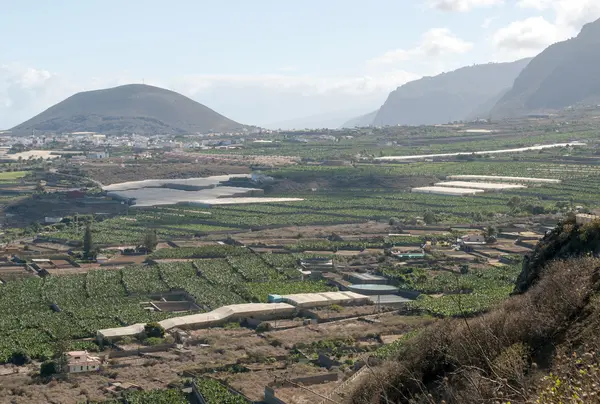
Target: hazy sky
[263,61]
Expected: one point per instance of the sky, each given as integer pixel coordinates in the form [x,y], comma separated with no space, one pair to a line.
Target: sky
[263,62]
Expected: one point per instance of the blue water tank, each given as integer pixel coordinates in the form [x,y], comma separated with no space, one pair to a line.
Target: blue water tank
[275,299]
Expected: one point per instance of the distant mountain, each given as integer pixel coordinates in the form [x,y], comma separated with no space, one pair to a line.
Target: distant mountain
[452,96]
[133,108]
[330,120]
[361,121]
[483,110]
[564,74]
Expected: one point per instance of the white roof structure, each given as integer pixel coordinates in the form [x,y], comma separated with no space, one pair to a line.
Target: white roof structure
[516,150]
[502,178]
[207,181]
[324,299]
[486,186]
[226,312]
[220,315]
[447,191]
[121,332]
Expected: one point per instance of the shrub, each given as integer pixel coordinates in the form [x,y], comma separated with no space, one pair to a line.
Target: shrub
[152,341]
[20,358]
[154,330]
[262,327]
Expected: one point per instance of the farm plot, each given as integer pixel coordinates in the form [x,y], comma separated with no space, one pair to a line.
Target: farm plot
[171,396]
[183,276]
[467,294]
[141,280]
[286,264]
[215,392]
[209,251]
[254,269]
[102,284]
[219,272]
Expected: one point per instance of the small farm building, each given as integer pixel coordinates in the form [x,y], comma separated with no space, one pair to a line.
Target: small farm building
[82,361]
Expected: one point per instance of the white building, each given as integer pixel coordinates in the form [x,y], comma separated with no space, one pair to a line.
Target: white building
[471,239]
[82,361]
[98,155]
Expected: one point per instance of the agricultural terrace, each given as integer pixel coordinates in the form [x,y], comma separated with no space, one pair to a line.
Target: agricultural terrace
[37,312]
[407,141]
[9,176]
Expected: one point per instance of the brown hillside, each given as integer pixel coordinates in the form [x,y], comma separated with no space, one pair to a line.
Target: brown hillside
[133,108]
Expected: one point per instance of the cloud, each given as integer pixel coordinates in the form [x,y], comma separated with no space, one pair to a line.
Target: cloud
[488,22]
[307,85]
[462,5]
[434,44]
[574,14]
[529,36]
[535,4]
[255,99]
[532,34]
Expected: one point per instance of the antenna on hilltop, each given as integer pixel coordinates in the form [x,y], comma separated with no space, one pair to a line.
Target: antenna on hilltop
[143,81]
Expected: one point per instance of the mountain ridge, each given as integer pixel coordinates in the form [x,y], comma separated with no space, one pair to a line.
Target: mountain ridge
[560,76]
[450,96]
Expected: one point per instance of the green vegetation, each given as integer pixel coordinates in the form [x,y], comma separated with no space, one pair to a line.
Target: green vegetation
[253,269]
[150,240]
[156,397]
[12,175]
[465,294]
[395,349]
[210,251]
[215,393]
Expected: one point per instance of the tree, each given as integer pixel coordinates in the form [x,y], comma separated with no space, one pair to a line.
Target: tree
[394,221]
[490,233]
[150,240]
[154,330]
[48,368]
[87,242]
[514,203]
[429,217]
[40,188]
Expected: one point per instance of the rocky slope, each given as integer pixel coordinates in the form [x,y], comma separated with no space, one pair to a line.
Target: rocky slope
[452,96]
[564,74]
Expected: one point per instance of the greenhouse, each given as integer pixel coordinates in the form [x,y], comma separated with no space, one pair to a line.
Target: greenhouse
[502,178]
[305,300]
[486,186]
[447,191]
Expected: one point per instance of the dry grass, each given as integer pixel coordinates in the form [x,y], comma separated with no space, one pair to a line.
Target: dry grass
[497,357]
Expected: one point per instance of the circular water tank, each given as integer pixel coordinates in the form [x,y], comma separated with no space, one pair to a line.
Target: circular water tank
[373,290]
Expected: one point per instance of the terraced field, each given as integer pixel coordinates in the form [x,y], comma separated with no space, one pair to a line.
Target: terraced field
[38,312]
